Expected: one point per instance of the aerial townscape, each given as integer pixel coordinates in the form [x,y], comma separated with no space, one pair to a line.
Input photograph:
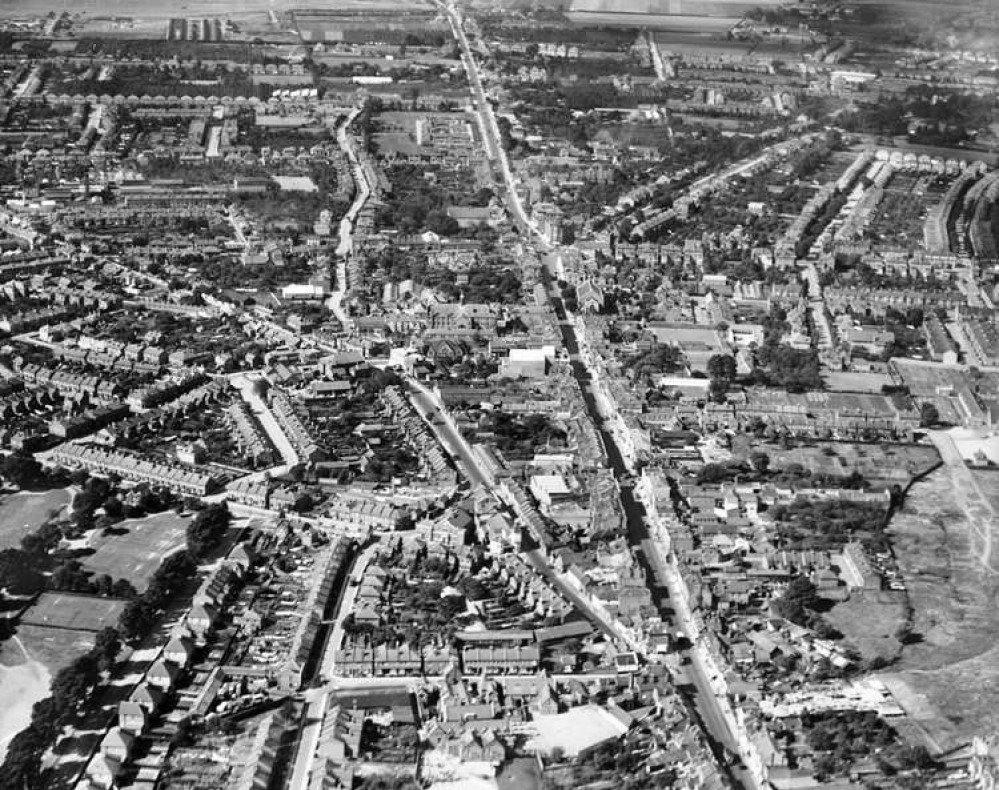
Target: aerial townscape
[499,395]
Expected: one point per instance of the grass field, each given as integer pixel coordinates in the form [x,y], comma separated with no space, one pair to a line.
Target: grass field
[73,611]
[869,623]
[24,512]
[136,554]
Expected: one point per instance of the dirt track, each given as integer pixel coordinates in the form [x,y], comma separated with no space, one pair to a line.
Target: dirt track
[943,539]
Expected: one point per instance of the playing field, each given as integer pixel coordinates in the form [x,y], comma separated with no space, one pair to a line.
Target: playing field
[24,512]
[136,554]
[89,613]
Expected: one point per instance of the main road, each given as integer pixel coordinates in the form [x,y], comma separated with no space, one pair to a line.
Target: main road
[706,704]
[430,408]
[492,139]
[707,707]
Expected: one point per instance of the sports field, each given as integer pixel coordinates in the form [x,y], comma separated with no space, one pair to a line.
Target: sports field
[71,611]
[137,552]
[24,512]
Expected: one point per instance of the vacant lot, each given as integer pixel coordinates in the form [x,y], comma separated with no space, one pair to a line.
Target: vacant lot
[23,513]
[521,773]
[136,547]
[869,624]
[951,675]
[880,464]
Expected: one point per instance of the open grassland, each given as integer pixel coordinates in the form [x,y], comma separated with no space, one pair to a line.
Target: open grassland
[135,548]
[949,676]
[869,624]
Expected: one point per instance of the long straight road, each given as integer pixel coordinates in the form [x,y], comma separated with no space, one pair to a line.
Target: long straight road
[707,705]
[709,709]
[244,382]
[489,127]
[431,410]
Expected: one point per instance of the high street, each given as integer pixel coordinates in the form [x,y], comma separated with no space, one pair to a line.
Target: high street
[704,699]
[718,726]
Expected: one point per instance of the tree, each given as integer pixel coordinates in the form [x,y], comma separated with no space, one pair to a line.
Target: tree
[43,540]
[721,367]
[22,766]
[71,576]
[113,507]
[917,756]
[260,387]
[800,596]
[206,529]
[103,584]
[929,415]
[760,461]
[123,588]
[183,735]
[796,370]
[658,360]
[72,685]
[18,574]
[21,470]
[718,390]
[136,619]
[107,643]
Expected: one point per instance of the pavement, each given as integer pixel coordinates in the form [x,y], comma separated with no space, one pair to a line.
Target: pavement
[363,190]
[431,409]
[308,742]
[490,128]
[716,719]
[267,419]
[982,518]
[318,699]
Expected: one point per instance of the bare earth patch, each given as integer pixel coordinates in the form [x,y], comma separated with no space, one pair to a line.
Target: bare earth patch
[941,537]
[23,681]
